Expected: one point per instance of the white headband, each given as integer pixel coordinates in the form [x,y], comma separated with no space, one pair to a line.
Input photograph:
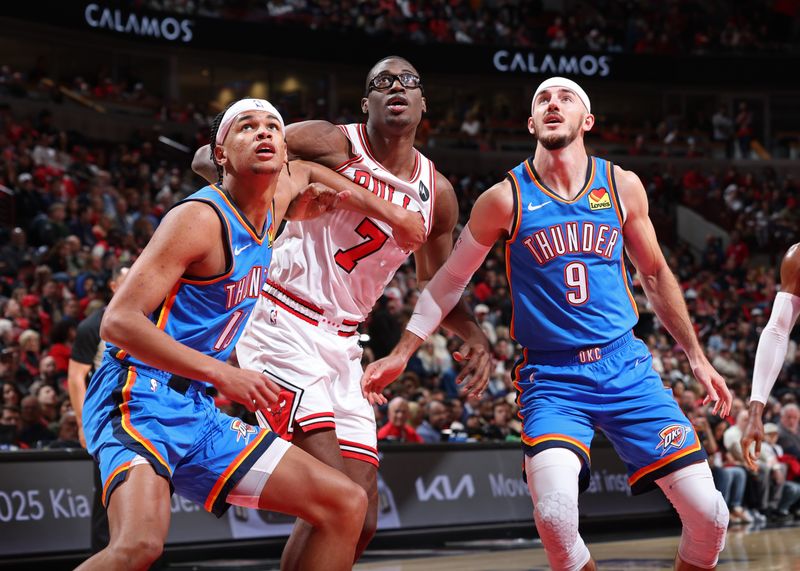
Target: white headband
[240,107]
[564,82]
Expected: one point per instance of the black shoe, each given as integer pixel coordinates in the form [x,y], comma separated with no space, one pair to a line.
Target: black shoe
[780,517]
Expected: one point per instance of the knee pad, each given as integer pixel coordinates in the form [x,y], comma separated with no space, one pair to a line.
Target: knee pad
[556,516]
[703,541]
[703,514]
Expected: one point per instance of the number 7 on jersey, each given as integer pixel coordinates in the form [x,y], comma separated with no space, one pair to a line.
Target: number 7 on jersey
[374,237]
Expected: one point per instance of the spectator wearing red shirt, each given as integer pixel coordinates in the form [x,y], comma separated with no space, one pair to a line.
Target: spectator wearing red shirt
[61,343]
[397,429]
[738,250]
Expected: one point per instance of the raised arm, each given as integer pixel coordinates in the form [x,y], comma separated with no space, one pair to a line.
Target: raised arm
[662,288]
[489,221]
[166,258]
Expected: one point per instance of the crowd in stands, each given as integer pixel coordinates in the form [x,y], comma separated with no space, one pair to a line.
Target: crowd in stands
[79,210]
[98,89]
[634,26]
[473,123]
[468,122]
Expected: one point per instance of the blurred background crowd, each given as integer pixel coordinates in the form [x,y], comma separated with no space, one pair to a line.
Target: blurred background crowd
[76,204]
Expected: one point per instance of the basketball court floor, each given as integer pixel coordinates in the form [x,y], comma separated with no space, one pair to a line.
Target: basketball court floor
[751,549]
[773,549]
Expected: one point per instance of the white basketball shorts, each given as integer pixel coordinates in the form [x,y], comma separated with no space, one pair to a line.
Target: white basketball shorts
[319,371]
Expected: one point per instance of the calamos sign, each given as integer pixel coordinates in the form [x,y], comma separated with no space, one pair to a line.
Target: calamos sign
[588,65]
[124,22]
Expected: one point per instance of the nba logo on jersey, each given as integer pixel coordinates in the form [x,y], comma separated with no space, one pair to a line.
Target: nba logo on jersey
[672,436]
[599,199]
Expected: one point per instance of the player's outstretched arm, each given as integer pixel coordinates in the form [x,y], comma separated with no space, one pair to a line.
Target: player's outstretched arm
[318,141]
[474,351]
[489,221]
[771,352]
[662,288]
[152,279]
[326,145]
[408,226]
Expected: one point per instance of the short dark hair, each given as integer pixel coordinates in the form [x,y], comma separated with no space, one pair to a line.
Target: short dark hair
[213,144]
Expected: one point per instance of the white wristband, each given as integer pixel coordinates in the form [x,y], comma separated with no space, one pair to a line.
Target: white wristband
[445,288]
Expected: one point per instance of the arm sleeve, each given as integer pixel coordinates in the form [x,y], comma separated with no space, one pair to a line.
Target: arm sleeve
[445,288]
[773,344]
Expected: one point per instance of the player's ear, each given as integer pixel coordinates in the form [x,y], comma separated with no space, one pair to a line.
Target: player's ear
[588,122]
[424,105]
[531,127]
[364,106]
[219,155]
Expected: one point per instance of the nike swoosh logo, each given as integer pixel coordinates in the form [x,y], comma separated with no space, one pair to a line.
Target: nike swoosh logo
[639,361]
[531,207]
[237,251]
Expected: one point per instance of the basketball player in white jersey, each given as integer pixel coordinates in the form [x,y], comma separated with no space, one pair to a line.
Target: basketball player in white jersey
[771,352]
[327,274]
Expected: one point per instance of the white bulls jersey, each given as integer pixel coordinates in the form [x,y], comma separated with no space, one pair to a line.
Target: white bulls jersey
[341,261]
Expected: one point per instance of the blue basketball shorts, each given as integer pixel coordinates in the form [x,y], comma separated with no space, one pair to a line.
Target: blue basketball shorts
[565,395]
[172,423]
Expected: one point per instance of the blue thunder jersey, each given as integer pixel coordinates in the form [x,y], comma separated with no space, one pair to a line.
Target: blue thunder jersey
[208,313]
[565,263]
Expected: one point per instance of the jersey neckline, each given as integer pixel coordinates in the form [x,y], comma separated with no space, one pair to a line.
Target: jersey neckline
[257,236]
[361,129]
[590,170]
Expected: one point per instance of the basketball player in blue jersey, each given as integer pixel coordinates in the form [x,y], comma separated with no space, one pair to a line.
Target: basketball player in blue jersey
[568,220]
[771,352]
[149,418]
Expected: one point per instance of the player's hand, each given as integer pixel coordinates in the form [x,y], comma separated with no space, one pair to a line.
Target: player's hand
[753,433]
[379,375]
[477,365]
[252,389]
[408,229]
[716,389]
[314,200]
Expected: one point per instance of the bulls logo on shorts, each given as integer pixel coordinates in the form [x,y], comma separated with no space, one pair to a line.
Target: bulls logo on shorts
[279,415]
